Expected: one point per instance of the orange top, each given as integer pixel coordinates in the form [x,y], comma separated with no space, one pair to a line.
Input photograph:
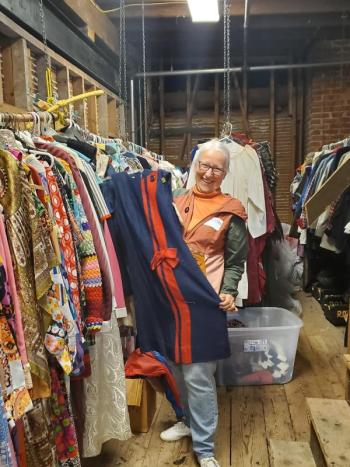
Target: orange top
[204,205]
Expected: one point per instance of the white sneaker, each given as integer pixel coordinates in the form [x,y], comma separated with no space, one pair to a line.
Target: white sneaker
[176,432]
[209,462]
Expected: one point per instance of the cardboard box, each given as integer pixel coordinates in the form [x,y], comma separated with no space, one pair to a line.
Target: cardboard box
[141,398]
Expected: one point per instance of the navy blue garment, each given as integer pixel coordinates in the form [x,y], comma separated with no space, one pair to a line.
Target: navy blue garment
[177,310]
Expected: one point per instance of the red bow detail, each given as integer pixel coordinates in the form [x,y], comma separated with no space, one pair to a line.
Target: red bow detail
[169,255]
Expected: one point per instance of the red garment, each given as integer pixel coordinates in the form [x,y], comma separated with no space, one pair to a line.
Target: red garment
[259,377]
[145,364]
[256,246]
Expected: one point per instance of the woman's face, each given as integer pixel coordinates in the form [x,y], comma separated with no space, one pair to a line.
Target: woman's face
[210,171]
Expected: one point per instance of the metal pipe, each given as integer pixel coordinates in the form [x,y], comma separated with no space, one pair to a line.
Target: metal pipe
[132,105]
[140,117]
[212,71]
[245,34]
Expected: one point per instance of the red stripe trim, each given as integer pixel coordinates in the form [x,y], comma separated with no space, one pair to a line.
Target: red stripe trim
[171,282]
[155,248]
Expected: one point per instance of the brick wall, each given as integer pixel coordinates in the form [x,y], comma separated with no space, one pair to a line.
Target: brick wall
[327,105]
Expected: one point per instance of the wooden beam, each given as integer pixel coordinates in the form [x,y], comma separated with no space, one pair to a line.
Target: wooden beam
[273,114]
[262,7]
[96,23]
[161,114]
[217,106]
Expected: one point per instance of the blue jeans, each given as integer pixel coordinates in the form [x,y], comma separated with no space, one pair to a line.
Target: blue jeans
[197,388]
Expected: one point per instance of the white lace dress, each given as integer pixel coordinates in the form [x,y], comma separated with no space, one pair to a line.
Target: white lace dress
[107,414]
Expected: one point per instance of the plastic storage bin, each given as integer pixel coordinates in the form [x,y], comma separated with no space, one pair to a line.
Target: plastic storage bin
[264,351]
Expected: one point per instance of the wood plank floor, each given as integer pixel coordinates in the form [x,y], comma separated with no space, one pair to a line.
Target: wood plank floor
[250,415]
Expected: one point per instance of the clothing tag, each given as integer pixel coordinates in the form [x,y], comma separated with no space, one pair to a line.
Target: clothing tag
[102,161]
[258,345]
[215,223]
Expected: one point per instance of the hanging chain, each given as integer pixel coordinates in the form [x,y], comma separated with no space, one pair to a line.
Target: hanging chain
[123,86]
[48,72]
[145,90]
[44,35]
[225,60]
[227,56]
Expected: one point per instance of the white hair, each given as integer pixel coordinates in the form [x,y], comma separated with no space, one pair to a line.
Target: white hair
[218,146]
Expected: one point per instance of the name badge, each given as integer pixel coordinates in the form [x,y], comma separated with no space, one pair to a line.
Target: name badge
[215,223]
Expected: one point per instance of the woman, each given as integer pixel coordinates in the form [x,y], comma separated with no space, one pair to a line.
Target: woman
[215,232]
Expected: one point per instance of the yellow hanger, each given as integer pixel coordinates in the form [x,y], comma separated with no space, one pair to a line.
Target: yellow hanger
[70,100]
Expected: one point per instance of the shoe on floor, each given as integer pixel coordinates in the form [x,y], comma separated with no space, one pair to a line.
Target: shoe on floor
[209,462]
[176,432]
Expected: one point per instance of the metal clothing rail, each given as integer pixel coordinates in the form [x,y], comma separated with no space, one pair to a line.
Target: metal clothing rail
[214,71]
[238,69]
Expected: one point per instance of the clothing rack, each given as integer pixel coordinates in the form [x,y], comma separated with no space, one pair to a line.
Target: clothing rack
[92,137]
[44,119]
[15,119]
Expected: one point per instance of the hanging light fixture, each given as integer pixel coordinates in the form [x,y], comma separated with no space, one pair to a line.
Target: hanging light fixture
[204,11]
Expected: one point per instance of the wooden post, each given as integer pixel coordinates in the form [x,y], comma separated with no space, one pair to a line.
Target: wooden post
[92,117]
[189,115]
[41,73]
[292,111]
[102,112]
[80,106]
[113,129]
[1,83]
[245,100]
[161,115]
[189,112]
[300,113]
[21,75]
[17,75]
[8,90]
[272,113]
[241,104]
[217,106]
[63,83]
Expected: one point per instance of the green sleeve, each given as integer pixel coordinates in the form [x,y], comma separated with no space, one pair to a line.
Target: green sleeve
[236,250]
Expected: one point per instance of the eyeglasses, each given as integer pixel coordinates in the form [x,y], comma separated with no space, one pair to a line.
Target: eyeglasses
[205,167]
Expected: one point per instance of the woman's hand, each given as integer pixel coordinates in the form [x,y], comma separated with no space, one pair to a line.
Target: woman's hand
[227,302]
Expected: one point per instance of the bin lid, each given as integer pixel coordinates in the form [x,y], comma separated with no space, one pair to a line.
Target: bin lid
[265,317]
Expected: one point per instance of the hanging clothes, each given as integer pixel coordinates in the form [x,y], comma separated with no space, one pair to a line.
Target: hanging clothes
[107,414]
